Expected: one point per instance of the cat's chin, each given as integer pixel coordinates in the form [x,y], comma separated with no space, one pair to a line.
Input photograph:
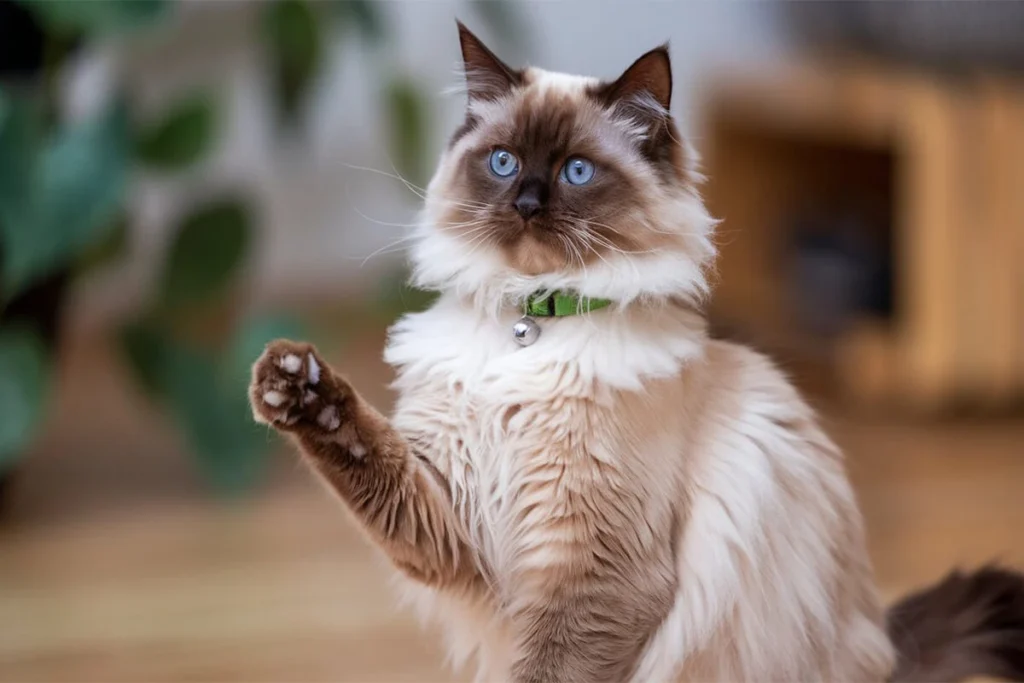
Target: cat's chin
[532,254]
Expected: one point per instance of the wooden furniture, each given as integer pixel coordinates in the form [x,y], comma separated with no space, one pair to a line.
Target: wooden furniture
[941,159]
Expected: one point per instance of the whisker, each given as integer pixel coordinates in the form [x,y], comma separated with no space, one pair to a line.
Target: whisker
[415,189]
[608,244]
[646,226]
[478,240]
[385,224]
[386,249]
[475,226]
[419,191]
[590,245]
[593,237]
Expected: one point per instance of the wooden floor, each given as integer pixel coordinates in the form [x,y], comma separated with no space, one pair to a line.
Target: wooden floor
[115,566]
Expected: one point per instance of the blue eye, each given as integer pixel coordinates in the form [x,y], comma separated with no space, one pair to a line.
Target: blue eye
[503,163]
[578,171]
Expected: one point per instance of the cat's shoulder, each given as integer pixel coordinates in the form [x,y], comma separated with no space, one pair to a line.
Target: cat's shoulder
[746,366]
[754,384]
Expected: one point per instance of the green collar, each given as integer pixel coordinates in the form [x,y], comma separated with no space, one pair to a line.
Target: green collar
[559,304]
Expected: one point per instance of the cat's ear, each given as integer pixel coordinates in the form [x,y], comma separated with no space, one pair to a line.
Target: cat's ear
[487,77]
[650,76]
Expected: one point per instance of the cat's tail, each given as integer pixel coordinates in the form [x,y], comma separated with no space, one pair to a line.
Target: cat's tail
[965,626]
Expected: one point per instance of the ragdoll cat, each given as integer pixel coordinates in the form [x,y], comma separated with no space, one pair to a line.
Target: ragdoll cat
[598,491]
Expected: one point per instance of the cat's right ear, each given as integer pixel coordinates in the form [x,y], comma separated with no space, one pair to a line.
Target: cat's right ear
[487,77]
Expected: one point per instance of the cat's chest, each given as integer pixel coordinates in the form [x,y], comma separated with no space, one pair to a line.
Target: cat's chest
[490,422]
[495,417]
[488,411]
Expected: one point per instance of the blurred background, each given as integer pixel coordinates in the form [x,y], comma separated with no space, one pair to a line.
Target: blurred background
[182,181]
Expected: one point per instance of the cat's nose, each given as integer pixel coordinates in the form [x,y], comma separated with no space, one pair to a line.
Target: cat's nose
[533,195]
[528,205]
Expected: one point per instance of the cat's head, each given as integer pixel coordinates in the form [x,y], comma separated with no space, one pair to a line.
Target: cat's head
[560,181]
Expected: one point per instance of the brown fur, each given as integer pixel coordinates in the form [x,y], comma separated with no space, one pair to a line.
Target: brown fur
[651,74]
[396,496]
[966,625]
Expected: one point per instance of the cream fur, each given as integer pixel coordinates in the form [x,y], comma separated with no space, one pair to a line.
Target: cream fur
[634,409]
[772,578]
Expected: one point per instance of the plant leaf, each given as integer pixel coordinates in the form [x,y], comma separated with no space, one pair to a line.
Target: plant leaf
[211,411]
[19,139]
[97,16]
[294,41]
[75,189]
[208,251]
[230,447]
[365,16]
[407,117]
[110,245]
[24,375]
[143,346]
[397,297]
[180,138]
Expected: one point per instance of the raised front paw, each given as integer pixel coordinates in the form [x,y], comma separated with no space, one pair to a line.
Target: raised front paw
[292,388]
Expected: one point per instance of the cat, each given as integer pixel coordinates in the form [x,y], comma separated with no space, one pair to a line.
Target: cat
[600,491]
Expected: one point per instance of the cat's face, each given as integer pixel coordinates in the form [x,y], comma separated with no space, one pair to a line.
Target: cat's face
[553,174]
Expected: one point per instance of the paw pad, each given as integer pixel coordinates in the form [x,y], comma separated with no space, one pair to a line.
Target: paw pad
[290,389]
[274,398]
[314,370]
[291,363]
[328,418]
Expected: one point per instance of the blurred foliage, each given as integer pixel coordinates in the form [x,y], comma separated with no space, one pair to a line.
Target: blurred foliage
[206,392]
[208,250]
[295,45]
[24,370]
[61,191]
[63,212]
[408,127]
[397,297]
[180,138]
[63,188]
[251,337]
[97,17]
[111,245]
[365,16]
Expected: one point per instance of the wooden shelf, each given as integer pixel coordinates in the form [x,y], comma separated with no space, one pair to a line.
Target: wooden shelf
[940,159]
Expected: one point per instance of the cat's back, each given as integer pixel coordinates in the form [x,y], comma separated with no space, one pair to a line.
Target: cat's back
[772,522]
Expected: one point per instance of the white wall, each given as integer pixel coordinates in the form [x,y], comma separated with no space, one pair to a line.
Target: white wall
[320,216]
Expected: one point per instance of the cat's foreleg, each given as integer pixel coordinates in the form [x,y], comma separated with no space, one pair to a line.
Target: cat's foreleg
[400,498]
[578,635]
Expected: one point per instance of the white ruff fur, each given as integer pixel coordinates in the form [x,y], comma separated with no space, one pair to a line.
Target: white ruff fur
[771,580]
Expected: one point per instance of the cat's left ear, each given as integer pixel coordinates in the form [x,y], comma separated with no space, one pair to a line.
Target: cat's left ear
[487,77]
[649,76]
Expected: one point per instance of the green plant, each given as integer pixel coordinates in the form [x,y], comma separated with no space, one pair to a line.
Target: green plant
[63,211]
[62,208]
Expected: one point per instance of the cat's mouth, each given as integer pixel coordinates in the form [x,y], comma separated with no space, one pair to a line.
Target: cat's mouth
[539,228]
[537,246]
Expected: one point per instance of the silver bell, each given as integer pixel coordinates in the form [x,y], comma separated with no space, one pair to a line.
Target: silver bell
[526,331]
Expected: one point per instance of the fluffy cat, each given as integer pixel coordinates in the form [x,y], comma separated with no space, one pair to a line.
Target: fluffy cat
[625,498]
